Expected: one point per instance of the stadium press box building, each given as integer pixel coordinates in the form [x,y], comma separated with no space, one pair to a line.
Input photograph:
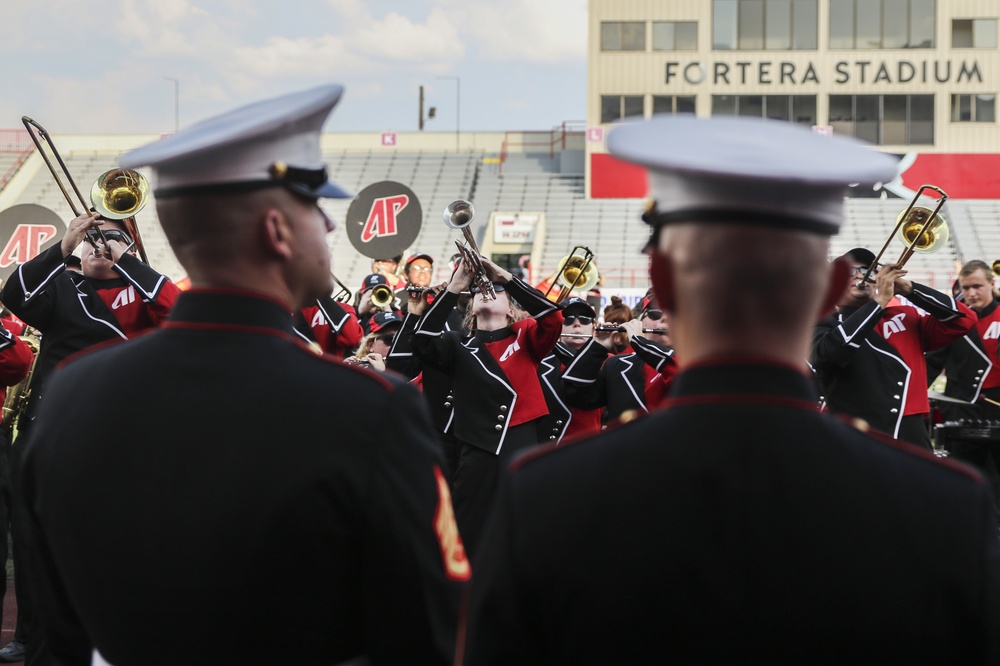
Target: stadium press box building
[917,78]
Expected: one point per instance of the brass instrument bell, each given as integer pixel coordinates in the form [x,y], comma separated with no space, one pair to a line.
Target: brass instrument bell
[119,193]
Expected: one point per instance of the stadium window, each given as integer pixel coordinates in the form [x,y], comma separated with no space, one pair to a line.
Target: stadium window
[882,24]
[617,107]
[673,104]
[675,36]
[974,33]
[973,108]
[884,119]
[773,25]
[793,108]
[623,35]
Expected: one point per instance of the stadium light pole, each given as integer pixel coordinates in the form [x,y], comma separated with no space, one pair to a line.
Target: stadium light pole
[177,102]
[458,108]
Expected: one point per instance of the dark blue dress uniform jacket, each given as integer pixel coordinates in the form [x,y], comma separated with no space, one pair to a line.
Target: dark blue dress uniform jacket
[737,527]
[233,495]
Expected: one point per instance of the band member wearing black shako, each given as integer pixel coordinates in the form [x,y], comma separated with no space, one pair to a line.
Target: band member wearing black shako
[496,399]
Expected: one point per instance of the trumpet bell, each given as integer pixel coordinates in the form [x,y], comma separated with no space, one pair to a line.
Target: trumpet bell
[995,267]
[459,214]
[577,272]
[932,239]
[382,296]
[119,193]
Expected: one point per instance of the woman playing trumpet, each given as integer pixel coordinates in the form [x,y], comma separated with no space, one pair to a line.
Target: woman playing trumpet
[495,400]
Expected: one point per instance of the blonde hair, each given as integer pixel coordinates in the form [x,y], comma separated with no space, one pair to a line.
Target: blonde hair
[469,319]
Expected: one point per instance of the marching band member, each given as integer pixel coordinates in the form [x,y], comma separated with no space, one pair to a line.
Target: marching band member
[365,307]
[869,355]
[972,367]
[388,269]
[114,296]
[375,346]
[626,383]
[737,524]
[496,399]
[563,420]
[333,326]
[240,502]
[15,364]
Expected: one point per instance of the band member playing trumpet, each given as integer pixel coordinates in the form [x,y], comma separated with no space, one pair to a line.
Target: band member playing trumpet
[869,355]
[496,399]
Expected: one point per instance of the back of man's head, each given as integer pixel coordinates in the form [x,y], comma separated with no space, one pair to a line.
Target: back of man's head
[741,212]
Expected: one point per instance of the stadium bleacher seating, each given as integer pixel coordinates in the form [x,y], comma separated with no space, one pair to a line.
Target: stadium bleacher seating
[528,182]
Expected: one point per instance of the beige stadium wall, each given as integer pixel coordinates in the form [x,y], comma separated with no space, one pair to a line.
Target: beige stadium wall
[831,72]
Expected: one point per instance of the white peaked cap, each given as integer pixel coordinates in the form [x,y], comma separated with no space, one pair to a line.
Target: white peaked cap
[747,170]
[272,142]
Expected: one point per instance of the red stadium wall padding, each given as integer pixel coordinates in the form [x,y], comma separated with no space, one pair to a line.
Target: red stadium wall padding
[962,176]
[610,178]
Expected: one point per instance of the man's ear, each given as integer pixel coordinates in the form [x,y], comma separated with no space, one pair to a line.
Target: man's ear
[276,233]
[661,276]
[840,276]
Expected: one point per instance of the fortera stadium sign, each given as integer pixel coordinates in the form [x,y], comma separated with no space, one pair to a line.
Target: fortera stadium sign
[842,72]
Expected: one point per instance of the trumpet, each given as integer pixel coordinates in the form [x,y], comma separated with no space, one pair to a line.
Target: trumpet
[118,194]
[459,215]
[920,228]
[382,295]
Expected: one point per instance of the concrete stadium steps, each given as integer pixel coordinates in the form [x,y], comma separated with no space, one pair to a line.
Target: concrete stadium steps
[527,183]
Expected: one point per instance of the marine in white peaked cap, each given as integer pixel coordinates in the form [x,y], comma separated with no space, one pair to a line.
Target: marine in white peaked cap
[250,516]
[736,522]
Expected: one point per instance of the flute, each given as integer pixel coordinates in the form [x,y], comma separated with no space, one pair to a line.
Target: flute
[621,329]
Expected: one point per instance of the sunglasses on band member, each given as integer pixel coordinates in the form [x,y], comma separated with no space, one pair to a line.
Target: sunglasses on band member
[385,338]
[110,234]
[655,315]
[569,320]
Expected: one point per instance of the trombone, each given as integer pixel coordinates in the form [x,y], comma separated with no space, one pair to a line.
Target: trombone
[575,271]
[343,294]
[117,194]
[920,228]
[459,214]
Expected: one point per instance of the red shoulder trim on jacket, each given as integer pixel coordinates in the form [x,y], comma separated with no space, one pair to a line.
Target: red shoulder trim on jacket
[97,346]
[912,449]
[728,398]
[627,417]
[330,358]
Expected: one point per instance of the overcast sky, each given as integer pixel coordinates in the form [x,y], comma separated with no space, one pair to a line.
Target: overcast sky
[100,66]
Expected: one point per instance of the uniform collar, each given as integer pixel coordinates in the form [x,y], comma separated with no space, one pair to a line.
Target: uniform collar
[493,336]
[988,310]
[231,307]
[744,376]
